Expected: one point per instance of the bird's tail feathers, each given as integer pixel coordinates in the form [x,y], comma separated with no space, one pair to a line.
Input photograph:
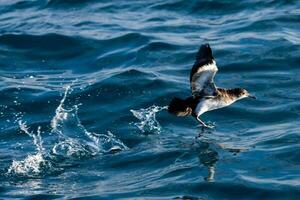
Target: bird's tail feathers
[179,107]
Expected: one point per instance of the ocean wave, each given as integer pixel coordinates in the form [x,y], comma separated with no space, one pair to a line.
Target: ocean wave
[47,42]
[213,7]
[121,57]
[70,3]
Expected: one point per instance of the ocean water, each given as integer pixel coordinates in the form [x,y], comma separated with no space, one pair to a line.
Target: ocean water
[84,87]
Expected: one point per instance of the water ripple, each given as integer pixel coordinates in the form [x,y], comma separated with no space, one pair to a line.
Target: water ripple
[119,58]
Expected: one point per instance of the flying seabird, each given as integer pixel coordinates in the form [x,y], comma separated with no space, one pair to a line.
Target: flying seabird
[205,95]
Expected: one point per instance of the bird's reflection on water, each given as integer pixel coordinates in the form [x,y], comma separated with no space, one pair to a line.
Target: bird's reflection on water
[208,157]
[208,152]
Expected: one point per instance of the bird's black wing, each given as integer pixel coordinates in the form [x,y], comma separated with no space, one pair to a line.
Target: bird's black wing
[203,72]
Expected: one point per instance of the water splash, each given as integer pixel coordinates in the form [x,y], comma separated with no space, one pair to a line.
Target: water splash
[60,112]
[109,143]
[72,148]
[75,139]
[32,165]
[147,117]
[37,139]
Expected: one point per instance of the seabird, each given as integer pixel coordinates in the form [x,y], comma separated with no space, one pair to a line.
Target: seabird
[205,95]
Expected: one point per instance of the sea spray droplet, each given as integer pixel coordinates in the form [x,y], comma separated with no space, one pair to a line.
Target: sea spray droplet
[147,117]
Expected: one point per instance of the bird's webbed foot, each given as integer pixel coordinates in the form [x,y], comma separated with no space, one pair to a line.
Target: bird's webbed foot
[203,124]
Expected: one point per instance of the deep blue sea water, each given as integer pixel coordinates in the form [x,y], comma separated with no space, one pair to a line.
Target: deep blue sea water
[85,85]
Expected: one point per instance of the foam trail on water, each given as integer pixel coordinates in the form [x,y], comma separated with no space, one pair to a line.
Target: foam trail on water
[147,117]
[32,165]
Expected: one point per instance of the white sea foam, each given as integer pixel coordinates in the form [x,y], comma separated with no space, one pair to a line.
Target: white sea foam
[147,117]
[32,165]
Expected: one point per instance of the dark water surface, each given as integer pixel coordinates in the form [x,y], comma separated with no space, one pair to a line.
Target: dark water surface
[84,85]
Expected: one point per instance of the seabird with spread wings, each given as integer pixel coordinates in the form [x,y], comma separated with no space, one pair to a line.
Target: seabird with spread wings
[205,95]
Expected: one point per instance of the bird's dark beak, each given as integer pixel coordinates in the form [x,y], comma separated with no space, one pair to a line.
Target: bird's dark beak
[252,96]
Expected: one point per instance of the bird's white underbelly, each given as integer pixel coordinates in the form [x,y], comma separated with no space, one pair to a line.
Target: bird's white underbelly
[209,104]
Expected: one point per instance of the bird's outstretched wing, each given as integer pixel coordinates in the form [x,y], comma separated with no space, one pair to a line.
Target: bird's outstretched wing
[203,72]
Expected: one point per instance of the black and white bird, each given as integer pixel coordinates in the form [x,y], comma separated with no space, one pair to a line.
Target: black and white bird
[205,95]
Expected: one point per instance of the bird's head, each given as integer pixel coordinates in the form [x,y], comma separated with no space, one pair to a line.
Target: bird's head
[241,93]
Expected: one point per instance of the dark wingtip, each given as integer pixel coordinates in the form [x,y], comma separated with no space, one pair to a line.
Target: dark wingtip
[204,53]
[204,56]
[206,45]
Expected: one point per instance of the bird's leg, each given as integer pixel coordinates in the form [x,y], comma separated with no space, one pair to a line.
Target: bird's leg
[203,124]
[209,97]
